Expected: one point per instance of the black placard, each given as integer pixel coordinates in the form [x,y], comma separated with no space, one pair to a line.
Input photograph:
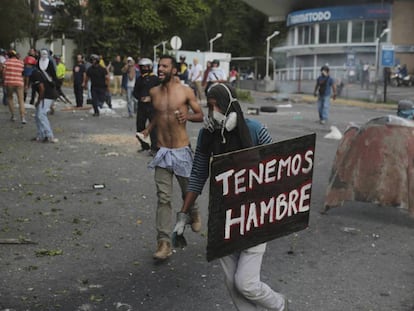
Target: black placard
[259,194]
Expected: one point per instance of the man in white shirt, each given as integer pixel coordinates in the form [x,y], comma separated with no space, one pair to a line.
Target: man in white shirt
[196,75]
[216,74]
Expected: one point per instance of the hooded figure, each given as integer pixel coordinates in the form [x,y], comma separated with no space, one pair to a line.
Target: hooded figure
[226,131]
[46,66]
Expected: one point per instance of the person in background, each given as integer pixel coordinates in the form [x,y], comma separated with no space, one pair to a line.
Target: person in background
[117,65]
[323,87]
[196,78]
[108,94]
[13,81]
[145,108]
[233,75]
[78,74]
[60,74]
[2,61]
[45,99]
[226,130]
[88,64]
[183,71]
[48,70]
[215,75]
[365,76]
[205,74]
[31,53]
[132,73]
[99,78]
[29,63]
[172,105]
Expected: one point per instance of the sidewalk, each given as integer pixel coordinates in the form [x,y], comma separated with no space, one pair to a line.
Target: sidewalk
[352,91]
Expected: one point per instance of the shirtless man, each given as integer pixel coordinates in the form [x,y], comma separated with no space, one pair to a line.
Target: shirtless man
[172,103]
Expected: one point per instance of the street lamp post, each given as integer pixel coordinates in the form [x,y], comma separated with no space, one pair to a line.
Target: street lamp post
[383,33]
[219,35]
[155,49]
[267,52]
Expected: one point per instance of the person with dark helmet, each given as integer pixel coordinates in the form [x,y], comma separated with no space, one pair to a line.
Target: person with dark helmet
[323,87]
[99,78]
[145,109]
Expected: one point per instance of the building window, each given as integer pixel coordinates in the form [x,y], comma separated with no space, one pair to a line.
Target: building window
[357,31]
[323,33]
[343,32]
[381,25]
[333,33]
[369,31]
[291,36]
[306,35]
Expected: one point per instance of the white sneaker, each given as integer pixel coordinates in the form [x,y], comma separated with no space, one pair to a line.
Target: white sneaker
[51,140]
[24,121]
[146,139]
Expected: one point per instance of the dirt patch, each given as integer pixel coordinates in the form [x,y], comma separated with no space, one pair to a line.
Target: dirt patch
[126,142]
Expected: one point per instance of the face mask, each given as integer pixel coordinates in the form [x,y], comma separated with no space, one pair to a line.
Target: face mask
[217,120]
[44,55]
[218,117]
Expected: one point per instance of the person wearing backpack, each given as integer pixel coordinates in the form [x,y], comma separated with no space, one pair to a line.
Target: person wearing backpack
[323,87]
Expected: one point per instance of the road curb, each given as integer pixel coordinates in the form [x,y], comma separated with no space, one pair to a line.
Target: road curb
[353,102]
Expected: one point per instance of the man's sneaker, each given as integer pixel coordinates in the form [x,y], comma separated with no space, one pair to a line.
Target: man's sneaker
[195,220]
[13,118]
[51,140]
[24,121]
[164,250]
[322,121]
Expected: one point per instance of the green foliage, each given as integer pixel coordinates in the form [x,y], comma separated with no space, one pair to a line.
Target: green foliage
[14,21]
[244,96]
[133,27]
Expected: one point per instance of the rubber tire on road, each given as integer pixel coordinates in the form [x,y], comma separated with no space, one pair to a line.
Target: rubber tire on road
[268,109]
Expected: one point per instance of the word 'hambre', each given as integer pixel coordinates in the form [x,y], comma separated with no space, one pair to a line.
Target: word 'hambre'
[275,207]
[268,211]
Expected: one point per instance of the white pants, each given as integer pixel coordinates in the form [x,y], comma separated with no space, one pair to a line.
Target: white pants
[242,276]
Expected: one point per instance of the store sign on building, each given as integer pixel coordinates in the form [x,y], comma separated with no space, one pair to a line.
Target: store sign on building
[352,12]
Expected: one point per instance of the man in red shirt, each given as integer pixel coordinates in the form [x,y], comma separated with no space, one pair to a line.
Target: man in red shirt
[13,82]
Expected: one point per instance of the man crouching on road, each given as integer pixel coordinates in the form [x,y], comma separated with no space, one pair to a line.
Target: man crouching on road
[172,102]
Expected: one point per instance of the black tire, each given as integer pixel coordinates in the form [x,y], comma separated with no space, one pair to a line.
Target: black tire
[268,109]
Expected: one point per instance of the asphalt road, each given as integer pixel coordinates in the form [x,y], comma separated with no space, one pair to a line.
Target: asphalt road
[93,247]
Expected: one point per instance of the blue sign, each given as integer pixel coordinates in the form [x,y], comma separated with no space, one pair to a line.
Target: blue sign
[387,56]
[337,13]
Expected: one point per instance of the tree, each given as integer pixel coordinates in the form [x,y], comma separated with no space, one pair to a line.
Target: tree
[14,23]
[134,26]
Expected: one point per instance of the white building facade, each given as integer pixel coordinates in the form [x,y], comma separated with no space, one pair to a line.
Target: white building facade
[345,35]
